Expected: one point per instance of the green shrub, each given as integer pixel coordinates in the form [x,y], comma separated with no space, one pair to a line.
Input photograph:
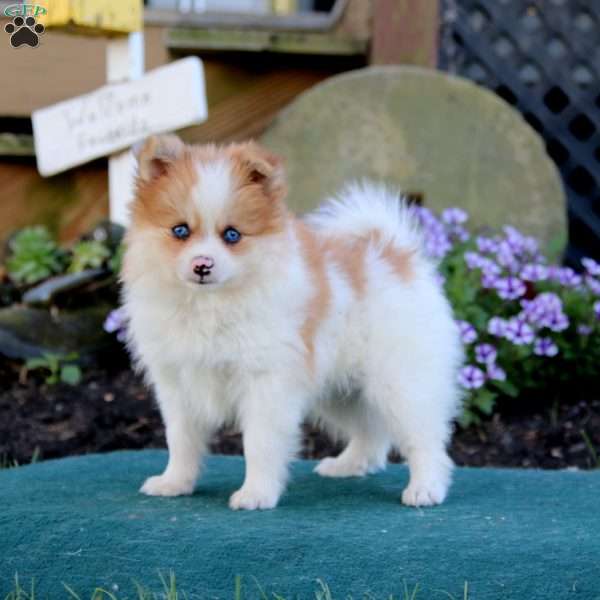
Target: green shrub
[34,256]
[63,369]
[529,327]
[88,254]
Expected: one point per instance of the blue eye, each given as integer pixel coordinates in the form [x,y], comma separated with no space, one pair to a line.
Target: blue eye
[231,236]
[181,232]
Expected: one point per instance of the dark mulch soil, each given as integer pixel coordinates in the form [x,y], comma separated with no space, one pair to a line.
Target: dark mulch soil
[114,410]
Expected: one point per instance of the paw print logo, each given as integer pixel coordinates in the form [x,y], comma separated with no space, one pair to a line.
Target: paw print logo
[24,31]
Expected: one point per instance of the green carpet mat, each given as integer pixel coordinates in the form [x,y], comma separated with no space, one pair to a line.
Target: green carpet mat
[508,533]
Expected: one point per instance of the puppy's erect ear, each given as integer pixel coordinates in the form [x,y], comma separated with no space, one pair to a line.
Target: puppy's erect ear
[156,154]
[260,166]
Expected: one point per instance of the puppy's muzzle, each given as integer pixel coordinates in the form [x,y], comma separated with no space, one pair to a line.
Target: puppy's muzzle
[202,266]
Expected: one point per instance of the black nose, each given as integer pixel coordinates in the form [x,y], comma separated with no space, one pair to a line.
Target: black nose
[202,270]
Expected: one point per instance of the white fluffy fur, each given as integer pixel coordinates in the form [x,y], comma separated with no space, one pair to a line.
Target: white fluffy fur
[384,365]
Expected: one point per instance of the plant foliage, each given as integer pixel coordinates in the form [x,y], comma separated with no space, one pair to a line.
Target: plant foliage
[34,255]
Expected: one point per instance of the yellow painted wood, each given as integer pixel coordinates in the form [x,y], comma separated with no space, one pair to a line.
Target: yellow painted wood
[94,16]
[285,7]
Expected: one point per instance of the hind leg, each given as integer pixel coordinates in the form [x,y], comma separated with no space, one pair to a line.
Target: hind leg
[418,412]
[422,442]
[368,444]
[360,457]
[430,476]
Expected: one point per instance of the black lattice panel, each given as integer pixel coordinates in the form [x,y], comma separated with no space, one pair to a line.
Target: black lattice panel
[544,58]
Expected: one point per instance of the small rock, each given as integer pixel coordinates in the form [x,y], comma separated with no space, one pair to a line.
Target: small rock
[44,293]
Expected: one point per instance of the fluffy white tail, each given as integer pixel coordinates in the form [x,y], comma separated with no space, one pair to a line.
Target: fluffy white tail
[364,207]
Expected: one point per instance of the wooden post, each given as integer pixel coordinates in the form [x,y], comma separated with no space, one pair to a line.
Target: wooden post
[124,61]
[405,32]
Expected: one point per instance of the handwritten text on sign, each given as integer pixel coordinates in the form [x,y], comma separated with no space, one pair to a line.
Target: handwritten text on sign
[116,116]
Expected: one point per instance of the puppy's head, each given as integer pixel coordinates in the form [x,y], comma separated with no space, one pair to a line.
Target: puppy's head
[204,216]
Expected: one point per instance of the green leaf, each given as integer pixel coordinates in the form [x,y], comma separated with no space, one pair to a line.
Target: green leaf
[88,254]
[34,256]
[507,388]
[485,401]
[36,363]
[70,374]
[116,261]
[468,418]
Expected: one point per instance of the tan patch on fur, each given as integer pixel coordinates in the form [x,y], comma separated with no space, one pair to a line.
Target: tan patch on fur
[257,208]
[313,253]
[400,260]
[350,258]
[165,201]
[161,203]
[349,254]
[256,165]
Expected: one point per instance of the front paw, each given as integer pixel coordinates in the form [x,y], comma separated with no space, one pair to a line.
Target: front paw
[247,498]
[161,485]
[425,493]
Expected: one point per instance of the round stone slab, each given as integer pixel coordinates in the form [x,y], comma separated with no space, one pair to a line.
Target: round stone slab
[430,133]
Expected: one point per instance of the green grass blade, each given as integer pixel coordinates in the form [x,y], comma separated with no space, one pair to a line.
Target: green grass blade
[71,591]
[238,588]
[261,591]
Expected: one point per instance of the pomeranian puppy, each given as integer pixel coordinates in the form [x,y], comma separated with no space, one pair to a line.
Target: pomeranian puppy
[242,313]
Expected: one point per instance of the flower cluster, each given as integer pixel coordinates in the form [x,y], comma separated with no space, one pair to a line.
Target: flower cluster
[116,322]
[525,322]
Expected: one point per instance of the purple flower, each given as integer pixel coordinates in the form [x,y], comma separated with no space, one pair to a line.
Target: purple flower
[534,272]
[506,257]
[116,322]
[424,214]
[553,272]
[546,301]
[593,285]
[510,288]
[556,321]
[591,266]
[495,372]
[438,240]
[568,277]
[545,310]
[468,333]
[544,346]
[584,329]
[487,245]
[471,377]
[437,246]
[489,267]
[440,279]
[514,239]
[518,332]
[597,309]
[473,260]
[489,280]
[531,246]
[497,326]
[454,216]
[458,232]
[485,353]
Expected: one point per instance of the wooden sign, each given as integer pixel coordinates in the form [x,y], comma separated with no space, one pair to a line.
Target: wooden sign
[116,116]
